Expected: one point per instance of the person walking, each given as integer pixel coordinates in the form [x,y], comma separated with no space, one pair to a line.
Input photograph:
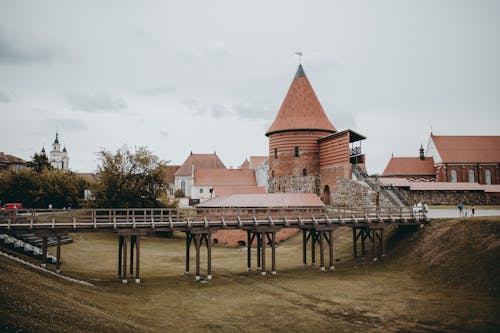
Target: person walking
[460,209]
[473,209]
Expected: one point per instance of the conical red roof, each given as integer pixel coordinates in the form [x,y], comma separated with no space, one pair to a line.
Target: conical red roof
[301,109]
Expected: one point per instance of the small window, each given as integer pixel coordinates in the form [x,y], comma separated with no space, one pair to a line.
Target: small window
[304,172]
[183,186]
[272,173]
[296,151]
[471,176]
[275,152]
[487,176]
[201,190]
[453,176]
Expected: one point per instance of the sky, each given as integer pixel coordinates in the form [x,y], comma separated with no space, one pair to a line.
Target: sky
[205,76]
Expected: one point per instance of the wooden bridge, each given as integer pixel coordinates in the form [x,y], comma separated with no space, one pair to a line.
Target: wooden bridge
[317,226]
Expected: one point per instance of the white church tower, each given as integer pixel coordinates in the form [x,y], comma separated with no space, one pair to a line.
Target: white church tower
[57,158]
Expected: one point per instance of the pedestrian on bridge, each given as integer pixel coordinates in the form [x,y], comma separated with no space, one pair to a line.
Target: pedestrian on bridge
[460,209]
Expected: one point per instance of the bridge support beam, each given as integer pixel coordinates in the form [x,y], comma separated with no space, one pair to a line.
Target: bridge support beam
[44,251]
[199,238]
[134,269]
[375,235]
[263,236]
[320,234]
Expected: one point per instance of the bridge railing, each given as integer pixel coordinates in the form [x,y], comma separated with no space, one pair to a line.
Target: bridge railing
[216,217]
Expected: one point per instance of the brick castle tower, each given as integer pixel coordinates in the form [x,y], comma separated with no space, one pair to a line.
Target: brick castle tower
[306,152]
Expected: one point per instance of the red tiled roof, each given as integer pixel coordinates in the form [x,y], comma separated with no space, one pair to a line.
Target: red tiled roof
[245,165]
[445,186]
[8,159]
[439,186]
[468,149]
[265,200]
[170,171]
[228,190]
[256,161]
[409,166]
[491,188]
[301,109]
[228,177]
[206,161]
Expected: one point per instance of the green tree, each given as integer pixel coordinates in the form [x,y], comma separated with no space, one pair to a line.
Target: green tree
[39,162]
[129,179]
[38,190]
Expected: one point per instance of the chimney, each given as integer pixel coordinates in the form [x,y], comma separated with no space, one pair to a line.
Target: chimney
[421,150]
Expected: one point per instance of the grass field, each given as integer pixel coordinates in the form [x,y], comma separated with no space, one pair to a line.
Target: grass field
[443,278]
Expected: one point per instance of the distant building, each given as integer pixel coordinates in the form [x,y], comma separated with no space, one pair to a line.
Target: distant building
[473,159]
[211,183]
[10,162]
[58,159]
[184,176]
[261,166]
[306,152]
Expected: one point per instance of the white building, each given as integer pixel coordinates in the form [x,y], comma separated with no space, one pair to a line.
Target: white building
[58,159]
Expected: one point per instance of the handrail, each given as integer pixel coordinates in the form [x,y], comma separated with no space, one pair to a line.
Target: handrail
[207,218]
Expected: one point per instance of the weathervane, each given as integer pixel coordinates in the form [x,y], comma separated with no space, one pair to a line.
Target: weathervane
[300,57]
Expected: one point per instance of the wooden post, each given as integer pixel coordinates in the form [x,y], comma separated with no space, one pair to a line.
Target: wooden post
[120,245]
[354,242]
[188,247]
[312,234]
[332,258]
[304,247]
[124,257]
[263,244]
[132,244]
[197,244]
[374,254]
[249,251]
[137,258]
[259,245]
[382,242]
[321,251]
[364,234]
[44,251]
[273,263]
[209,255]
[58,254]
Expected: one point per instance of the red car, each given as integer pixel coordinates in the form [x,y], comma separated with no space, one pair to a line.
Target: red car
[15,205]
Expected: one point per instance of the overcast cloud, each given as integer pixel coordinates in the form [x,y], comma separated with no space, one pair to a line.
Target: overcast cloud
[181,76]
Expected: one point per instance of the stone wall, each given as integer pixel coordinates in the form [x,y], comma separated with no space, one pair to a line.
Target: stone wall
[303,184]
[351,193]
[450,197]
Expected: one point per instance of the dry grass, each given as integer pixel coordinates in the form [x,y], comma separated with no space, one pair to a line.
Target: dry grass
[405,291]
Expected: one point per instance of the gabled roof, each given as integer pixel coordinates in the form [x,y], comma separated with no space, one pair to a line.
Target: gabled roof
[406,166]
[205,161]
[228,190]
[170,171]
[10,159]
[468,149]
[276,200]
[256,161]
[224,177]
[301,109]
[245,165]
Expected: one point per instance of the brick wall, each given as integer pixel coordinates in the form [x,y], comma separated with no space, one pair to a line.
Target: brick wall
[444,171]
[350,193]
[307,184]
[450,197]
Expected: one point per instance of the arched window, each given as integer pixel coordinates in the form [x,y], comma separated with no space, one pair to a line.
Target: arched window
[453,176]
[183,186]
[471,176]
[487,176]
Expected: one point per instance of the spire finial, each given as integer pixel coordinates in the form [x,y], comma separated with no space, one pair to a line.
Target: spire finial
[299,54]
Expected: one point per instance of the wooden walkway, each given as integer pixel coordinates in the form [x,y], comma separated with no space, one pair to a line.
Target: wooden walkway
[261,225]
